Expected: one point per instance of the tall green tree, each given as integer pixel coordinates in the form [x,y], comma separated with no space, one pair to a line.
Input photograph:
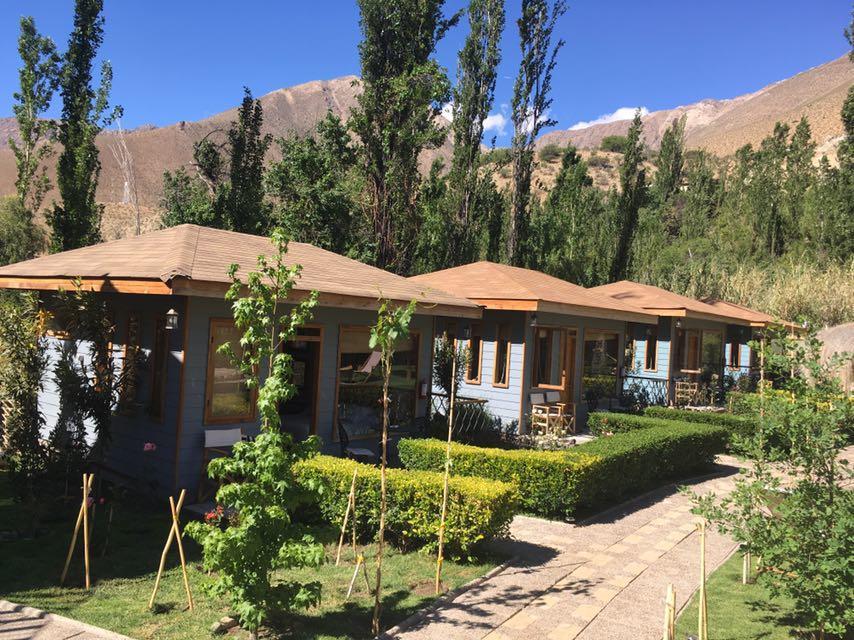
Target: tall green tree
[800,177]
[530,109]
[632,196]
[76,221]
[242,204]
[670,162]
[403,90]
[313,186]
[473,97]
[38,78]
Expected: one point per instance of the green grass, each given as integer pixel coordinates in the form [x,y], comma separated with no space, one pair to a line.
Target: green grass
[739,612]
[124,577]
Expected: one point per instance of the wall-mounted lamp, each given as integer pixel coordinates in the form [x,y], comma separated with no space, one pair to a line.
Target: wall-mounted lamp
[533,320]
[678,324]
[171,319]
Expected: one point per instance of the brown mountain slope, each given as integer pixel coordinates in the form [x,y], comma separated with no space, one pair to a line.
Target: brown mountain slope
[722,126]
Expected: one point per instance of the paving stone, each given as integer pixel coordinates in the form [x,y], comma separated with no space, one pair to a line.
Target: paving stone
[565,631]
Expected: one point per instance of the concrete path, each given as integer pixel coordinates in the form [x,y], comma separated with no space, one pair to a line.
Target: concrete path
[18,622]
[601,580]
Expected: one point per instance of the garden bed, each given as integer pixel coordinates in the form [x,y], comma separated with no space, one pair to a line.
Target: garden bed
[124,578]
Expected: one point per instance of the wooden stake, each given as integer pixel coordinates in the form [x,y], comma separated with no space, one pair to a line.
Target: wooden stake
[670,614]
[440,558]
[702,625]
[745,568]
[351,504]
[762,376]
[174,531]
[360,562]
[81,516]
[86,532]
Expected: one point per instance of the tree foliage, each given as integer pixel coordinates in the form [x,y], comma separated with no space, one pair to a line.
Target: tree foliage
[76,221]
[257,478]
[632,196]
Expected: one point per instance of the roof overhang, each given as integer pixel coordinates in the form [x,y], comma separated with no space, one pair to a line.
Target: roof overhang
[699,315]
[563,308]
[195,288]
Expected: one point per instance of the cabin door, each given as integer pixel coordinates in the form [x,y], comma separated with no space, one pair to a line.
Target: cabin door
[299,414]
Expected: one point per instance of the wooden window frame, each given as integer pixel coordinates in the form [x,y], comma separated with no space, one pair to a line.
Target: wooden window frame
[615,332]
[319,339]
[415,333]
[683,350]
[535,382]
[502,337]
[468,378]
[209,379]
[651,339]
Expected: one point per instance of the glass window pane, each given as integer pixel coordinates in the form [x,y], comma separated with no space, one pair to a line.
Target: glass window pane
[474,353]
[549,357]
[229,395]
[600,363]
[502,352]
[711,351]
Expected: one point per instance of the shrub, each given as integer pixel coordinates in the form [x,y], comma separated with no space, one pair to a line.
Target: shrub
[547,479]
[737,424]
[498,155]
[595,160]
[605,422]
[478,509]
[591,475]
[616,144]
[550,153]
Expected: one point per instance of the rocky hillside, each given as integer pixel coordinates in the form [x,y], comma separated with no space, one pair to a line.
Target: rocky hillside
[722,126]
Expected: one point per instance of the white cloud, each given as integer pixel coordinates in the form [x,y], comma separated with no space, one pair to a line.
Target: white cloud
[623,113]
[496,122]
[448,111]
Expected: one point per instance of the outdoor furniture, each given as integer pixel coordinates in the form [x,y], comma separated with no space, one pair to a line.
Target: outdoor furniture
[217,441]
[686,392]
[360,454]
[549,414]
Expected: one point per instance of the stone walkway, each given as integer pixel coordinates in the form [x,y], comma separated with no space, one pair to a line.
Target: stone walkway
[18,622]
[600,580]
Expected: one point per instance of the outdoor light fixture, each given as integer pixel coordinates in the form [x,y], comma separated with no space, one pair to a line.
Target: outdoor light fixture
[534,320]
[171,319]
[466,333]
[678,324]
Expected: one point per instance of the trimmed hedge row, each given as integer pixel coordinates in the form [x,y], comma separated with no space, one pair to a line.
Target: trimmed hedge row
[548,480]
[478,509]
[601,422]
[738,424]
[591,475]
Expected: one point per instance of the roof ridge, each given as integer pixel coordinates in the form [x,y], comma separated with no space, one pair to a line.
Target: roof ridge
[186,241]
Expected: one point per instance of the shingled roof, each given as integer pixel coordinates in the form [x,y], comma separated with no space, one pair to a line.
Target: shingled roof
[194,260]
[499,286]
[666,303]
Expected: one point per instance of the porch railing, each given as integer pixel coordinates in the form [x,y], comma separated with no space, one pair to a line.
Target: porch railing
[471,415]
[644,391]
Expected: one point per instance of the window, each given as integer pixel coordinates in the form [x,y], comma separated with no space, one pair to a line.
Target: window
[688,349]
[651,355]
[501,374]
[228,399]
[475,355]
[734,353]
[548,358]
[600,363]
[159,361]
[360,383]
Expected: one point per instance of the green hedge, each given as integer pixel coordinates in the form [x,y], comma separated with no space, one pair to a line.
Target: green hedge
[478,509]
[738,424]
[589,476]
[602,422]
[548,480]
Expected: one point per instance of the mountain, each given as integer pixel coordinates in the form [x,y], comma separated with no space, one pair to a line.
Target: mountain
[722,126]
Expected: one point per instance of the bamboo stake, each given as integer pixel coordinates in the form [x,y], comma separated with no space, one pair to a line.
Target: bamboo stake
[762,376]
[86,531]
[351,503]
[360,562]
[176,526]
[702,626]
[87,482]
[670,614]
[165,551]
[745,568]
[440,558]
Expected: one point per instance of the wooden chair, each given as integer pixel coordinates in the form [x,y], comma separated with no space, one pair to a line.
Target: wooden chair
[548,413]
[217,441]
[360,454]
[686,392]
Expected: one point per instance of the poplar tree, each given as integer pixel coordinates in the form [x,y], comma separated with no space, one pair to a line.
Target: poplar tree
[670,163]
[473,98]
[76,221]
[530,109]
[403,90]
[631,198]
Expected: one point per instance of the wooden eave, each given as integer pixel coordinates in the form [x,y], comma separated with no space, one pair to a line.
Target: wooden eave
[142,286]
[545,306]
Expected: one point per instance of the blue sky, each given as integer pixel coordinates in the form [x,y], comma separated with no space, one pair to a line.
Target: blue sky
[187,59]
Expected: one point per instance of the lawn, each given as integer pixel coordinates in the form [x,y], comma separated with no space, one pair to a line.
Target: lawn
[124,577]
[739,612]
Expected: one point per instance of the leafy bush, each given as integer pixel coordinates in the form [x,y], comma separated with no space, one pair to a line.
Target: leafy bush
[616,144]
[591,475]
[595,160]
[499,155]
[550,153]
[738,424]
[478,509]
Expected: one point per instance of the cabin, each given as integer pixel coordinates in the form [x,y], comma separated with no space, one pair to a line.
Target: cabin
[696,346]
[540,338]
[164,291]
